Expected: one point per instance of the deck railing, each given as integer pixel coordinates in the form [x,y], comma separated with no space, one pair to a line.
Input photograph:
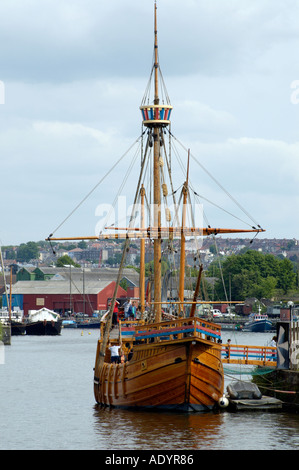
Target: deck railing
[251,355]
[196,327]
[177,329]
[127,328]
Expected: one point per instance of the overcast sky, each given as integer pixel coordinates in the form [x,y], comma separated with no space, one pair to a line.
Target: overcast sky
[72,77]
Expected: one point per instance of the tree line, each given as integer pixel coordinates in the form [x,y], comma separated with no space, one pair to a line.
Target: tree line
[252,274]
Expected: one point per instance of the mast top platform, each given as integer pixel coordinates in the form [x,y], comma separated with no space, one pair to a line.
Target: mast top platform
[156,114]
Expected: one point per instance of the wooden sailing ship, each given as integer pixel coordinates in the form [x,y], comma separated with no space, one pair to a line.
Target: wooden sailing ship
[175,364]
[170,361]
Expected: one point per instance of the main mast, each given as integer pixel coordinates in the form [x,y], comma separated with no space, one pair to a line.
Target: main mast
[157,192]
[155,117]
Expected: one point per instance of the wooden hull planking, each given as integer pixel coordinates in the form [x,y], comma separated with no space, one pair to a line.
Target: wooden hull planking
[183,375]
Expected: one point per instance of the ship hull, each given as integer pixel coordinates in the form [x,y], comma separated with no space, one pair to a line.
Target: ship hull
[89,325]
[184,375]
[260,326]
[17,328]
[41,328]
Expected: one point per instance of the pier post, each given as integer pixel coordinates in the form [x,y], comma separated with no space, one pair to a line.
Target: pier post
[5,334]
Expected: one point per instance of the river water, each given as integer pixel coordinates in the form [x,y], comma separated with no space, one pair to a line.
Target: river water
[47,403]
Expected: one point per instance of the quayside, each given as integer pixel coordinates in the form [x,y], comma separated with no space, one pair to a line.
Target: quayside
[170,358]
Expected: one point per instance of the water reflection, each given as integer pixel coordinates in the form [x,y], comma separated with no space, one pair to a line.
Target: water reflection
[52,407]
[123,429]
[147,430]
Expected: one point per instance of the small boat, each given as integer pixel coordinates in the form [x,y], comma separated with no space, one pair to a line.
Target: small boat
[243,396]
[43,322]
[69,324]
[90,323]
[258,323]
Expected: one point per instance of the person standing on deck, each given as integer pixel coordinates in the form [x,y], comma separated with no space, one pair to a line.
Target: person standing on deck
[115,314]
[115,353]
[126,309]
[227,349]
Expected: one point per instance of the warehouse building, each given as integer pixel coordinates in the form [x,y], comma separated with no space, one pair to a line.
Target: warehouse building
[74,289]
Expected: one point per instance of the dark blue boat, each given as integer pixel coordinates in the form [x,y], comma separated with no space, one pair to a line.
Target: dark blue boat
[258,323]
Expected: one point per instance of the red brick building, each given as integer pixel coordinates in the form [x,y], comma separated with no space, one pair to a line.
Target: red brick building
[63,296]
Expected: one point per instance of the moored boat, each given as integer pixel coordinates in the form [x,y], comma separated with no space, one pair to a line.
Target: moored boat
[69,324]
[43,322]
[258,323]
[242,396]
[89,323]
[18,328]
[15,319]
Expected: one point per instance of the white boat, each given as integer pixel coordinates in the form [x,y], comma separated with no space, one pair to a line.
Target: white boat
[15,318]
[43,322]
[16,315]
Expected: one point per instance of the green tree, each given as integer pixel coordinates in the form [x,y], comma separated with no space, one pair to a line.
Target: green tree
[265,288]
[27,252]
[83,245]
[9,252]
[66,260]
[254,274]
[213,249]
[116,259]
[124,284]
[287,276]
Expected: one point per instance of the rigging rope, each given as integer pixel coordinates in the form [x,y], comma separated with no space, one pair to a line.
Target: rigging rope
[73,283]
[202,197]
[216,205]
[163,90]
[120,189]
[219,184]
[95,187]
